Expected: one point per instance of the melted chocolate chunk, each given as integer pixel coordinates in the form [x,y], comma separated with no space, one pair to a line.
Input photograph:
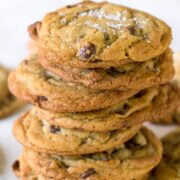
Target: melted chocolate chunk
[130,144]
[88,173]
[87,51]
[42,98]
[15,165]
[124,109]
[112,71]
[54,129]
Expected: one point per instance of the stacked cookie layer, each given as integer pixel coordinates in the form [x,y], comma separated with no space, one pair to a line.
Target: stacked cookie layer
[100,72]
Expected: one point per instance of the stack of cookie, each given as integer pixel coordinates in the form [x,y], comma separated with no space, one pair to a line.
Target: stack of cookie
[101,70]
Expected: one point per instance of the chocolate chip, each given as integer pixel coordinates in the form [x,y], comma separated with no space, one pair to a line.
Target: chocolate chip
[132,30]
[34,29]
[130,144]
[16,165]
[87,51]
[26,62]
[140,94]
[54,129]
[123,109]
[70,6]
[88,173]
[112,71]
[106,37]
[42,98]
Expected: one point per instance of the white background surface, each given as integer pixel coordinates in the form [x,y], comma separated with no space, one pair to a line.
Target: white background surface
[16,15]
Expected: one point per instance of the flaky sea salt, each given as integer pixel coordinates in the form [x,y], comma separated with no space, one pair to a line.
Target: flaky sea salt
[115,25]
[93,25]
[100,14]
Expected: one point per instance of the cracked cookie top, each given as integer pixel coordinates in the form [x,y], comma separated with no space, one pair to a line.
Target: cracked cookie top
[89,32]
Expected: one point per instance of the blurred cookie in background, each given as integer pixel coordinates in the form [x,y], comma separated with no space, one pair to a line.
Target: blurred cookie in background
[8,103]
[169,167]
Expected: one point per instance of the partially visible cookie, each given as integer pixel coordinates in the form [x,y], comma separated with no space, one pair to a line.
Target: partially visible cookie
[150,104]
[89,33]
[132,160]
[33,84]
[38,134]
[9,105]
[3,83]
[169,167]
[134,75]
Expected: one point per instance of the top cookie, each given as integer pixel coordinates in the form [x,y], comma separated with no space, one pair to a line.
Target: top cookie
[90,33]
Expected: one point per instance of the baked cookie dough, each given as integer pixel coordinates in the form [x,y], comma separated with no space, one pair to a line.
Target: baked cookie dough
[38,134]
[169,167]
[132,160]
[32,83]
[99,34]
[150,104]
[134,75]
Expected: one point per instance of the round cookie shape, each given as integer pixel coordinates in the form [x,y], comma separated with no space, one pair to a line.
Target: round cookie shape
[150,104]
[3,83]
[169,167]
[131,160]
[33,84]
[86,33]
[134,75]
[39,135]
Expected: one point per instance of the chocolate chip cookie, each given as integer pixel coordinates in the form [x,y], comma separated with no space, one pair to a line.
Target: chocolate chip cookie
[92,34]
[169,167]
[33,84]
[149,104]
[41,136]
[135,75]
[131,160]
